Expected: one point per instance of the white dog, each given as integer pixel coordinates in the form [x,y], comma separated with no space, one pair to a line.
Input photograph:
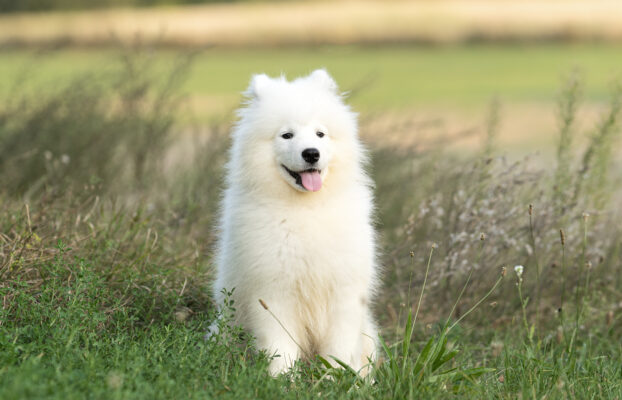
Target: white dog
[296,224]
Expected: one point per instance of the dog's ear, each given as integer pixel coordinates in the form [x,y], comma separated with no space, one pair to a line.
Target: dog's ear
[321,77]
[258,85]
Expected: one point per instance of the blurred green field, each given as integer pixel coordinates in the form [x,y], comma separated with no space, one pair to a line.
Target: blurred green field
[452,83]
[385,78]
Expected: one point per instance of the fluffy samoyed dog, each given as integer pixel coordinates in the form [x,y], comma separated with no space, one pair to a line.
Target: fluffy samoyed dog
[296,224]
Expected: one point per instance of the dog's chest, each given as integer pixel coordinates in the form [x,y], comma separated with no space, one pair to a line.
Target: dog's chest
[309,242]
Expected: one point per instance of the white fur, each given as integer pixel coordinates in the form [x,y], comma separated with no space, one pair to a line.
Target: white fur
[310,256]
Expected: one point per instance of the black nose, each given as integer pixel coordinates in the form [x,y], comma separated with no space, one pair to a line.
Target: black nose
[311,155]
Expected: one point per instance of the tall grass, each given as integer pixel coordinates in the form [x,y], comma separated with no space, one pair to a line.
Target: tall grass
[82,166]
[103,128]
[518,207]
[106,229]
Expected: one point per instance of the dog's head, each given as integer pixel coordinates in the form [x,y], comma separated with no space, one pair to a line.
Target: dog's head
[294,130]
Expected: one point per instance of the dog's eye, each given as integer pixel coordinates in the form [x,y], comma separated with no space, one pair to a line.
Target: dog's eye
[287,135]
[320,134]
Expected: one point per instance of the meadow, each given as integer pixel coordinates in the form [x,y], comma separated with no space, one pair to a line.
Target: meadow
[384,77]
[110,173]
[453,85]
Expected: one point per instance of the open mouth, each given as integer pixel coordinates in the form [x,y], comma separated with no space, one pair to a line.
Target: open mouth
[309,179]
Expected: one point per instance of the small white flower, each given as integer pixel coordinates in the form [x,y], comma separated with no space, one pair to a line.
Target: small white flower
[519,270]
[65,159]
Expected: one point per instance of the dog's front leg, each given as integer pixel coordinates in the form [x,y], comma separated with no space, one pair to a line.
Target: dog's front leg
[343,339]
[276,331]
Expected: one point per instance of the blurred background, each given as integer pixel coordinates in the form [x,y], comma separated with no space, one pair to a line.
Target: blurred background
[440,61]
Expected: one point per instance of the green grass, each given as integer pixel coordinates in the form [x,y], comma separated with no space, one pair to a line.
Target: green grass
[399,77]
[105,256]
[76,337]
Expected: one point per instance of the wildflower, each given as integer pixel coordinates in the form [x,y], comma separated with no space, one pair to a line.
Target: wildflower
[519,271]
[65,159]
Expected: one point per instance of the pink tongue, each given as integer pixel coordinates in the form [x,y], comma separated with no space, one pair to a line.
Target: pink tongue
[312,181]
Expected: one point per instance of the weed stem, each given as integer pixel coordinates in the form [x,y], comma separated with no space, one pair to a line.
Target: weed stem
[477,304]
